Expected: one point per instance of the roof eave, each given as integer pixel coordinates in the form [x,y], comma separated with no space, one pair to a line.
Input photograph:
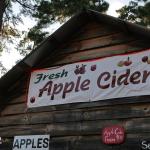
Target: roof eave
[124,25]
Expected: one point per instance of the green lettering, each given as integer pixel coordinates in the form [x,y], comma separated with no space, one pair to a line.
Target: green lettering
[45,76]
[57,75]
[51,76]
[39,77]
[64,73]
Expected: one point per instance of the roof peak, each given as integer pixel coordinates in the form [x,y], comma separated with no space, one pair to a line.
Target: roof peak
[61,35]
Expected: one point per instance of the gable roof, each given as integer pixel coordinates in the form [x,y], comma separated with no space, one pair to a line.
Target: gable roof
[60,36]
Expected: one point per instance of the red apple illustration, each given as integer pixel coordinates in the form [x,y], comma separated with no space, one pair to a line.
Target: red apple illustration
[82,69]
[32,99]
[128,62]
[145,59]
[93,67]
[77,70]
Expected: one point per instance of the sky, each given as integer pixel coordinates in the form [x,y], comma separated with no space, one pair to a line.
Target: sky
[9,58]
[115,5]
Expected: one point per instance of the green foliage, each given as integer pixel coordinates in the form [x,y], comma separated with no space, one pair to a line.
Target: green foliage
[31,40]
[46,12]
[36,35]
[11,19]
[3,70]
[50,11]
[9,31]
[1,47]
[24,46]
[138,11]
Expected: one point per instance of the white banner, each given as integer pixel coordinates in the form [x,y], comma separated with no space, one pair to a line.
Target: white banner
[31,142]
[99,79]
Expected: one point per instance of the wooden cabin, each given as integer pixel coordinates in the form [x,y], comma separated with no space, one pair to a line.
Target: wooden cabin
[77,126]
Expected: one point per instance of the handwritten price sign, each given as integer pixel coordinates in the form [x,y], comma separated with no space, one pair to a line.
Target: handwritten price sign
[113,135]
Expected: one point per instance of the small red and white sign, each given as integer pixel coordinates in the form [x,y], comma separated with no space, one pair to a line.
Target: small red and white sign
[113,135]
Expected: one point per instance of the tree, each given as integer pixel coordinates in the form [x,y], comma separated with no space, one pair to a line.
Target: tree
[138,11]
[50,11]
[46,12]
[2,9]
[7,15]
[57,10]
[9,21]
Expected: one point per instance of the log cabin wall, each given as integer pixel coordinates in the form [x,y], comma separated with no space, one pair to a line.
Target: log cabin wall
[78,126]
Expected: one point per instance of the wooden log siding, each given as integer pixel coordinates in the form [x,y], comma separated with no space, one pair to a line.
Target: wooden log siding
[78,126]
[76,115]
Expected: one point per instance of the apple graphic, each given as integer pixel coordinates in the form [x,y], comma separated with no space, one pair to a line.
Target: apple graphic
[145,59]
[32,99]
[128,62]
[82,69]
[121,63]
[77,70]
[93,67]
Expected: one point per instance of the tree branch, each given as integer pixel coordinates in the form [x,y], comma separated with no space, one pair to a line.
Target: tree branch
[7,16]
[24,5]
[2,10]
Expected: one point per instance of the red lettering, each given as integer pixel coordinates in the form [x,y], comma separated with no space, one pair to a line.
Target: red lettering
[56,90]
[85,85]
[106,76]
[134,77]
[45,88]
[68,88]
[114,79]
[145,76]
[77,84]
[123,79]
